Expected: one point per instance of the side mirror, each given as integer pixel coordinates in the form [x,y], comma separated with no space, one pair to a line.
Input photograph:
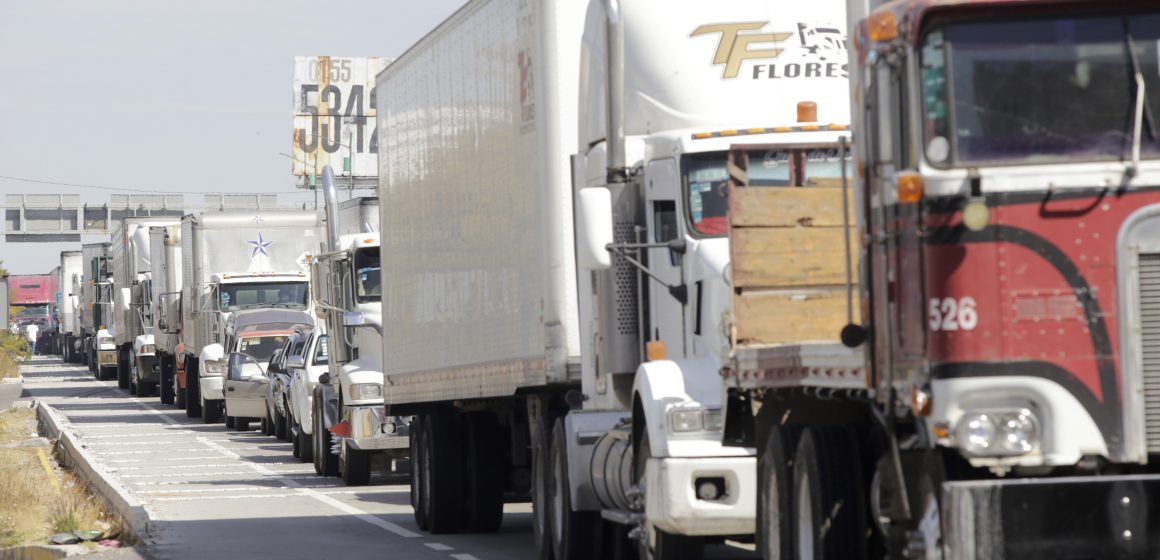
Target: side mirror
[593,228]
[126,297]
[295,362]
[353,319]
[324,379]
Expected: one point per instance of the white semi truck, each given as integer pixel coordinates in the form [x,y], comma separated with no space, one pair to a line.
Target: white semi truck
[132,317]
[95,301]
[590,358]
[234,260]
[165,249]
[70,333]
[348,424]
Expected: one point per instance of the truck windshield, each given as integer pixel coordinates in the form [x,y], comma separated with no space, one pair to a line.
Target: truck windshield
[366,275]
[34,311]
[261,348]
[1039,90]
[706,177]
[266,294]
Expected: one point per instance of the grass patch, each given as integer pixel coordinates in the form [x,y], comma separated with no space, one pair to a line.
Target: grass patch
[39,502]
[13,350]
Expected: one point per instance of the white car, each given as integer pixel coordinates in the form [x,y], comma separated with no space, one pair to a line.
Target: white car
[304,370]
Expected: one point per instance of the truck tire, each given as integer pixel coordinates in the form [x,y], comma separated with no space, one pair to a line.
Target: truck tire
[827,478]
[574,533]
[211,412]
[775,494]
[179,397]
[354,466]
[658,544]
[192,390]
[418,472]
[295,443]
[124,375]
[541,482]
[325,461]
[241,424]
[442,461]
[484,480]
[231,421]
[106,373]
[166,388]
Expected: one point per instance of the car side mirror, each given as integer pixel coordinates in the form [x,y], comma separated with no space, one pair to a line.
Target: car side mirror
[295,362]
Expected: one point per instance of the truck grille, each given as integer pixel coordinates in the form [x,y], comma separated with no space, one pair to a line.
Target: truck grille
[1150,346]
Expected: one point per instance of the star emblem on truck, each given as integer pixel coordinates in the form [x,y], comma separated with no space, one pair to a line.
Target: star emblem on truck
[259,245]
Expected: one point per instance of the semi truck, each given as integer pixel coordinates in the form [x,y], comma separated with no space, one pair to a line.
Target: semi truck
[347,426]
[562,298]
[234,260]
[33,299]
[96,298]
[1005,405]
[69,334]
[165,250]
[132,318]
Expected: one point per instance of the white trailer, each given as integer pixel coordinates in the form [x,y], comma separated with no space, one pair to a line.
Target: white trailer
[132,317]
[233,260]
[69,332]
[95,303]
[602,351]
[165,249]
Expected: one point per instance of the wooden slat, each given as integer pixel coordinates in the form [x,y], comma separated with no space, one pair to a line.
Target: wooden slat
[781,317]
[786,207]
[790,257]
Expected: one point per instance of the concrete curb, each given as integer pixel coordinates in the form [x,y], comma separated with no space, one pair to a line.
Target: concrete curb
[81,460]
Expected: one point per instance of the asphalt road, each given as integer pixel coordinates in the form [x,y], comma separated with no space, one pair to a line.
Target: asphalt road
[217,493]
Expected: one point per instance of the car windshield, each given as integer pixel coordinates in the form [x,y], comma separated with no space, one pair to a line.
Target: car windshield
[366,275]
[265,294]
[707,176]
[261,348]
[1038,90]
[321,352]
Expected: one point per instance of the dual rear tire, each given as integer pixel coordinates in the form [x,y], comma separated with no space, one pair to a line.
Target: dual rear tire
[458,472]
[821,486]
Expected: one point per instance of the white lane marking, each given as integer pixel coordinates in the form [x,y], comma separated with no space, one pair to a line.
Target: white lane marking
[381,523]
[295,494]
[164,459]
[154,451]
[118,436]
[438,546]
[463,557]
[234,489]
[102,443]
[184,475]
[166,467]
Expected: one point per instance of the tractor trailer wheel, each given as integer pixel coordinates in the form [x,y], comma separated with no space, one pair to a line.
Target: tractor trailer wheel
[827,490]
[483,483]
[325,461]
[418,472]
[192,390]
[442,461]
[167,381]
[124,373]
[775,494]
[574,533]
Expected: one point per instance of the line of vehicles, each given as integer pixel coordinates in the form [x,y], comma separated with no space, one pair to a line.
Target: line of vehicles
[632,266]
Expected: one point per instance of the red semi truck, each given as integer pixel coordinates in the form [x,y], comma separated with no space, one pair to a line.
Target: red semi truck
[35,296]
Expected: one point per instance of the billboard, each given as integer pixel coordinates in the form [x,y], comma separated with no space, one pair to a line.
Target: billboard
[334,115]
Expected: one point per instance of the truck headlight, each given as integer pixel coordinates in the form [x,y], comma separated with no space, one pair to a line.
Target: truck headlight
[997,433]
[689,420]
[216,368]
[365,391]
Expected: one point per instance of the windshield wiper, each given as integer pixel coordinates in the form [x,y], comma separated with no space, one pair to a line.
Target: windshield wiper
[1143,108]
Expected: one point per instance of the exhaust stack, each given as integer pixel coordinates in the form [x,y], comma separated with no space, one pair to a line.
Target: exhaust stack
[614,91]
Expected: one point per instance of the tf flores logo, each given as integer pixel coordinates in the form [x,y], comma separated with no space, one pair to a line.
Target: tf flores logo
[821,50]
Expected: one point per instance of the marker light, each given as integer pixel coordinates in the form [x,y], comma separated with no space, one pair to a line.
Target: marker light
[976,215]
[882,27]
[910,187]
[656,350]
[807,111]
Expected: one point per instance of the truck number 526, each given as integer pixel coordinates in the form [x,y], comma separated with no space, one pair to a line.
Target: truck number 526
[950,314]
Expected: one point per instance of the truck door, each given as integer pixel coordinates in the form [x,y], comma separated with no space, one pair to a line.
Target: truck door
[666,314]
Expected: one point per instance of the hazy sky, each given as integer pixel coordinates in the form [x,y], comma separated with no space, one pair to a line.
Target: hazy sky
[167,96]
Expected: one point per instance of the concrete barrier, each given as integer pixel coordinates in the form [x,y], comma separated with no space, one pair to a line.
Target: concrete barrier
[83,464]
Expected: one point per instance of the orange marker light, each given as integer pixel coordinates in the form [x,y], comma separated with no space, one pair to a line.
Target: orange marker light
[910,187]
[341,429]
[882,27]
[807,111]
[656,350]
